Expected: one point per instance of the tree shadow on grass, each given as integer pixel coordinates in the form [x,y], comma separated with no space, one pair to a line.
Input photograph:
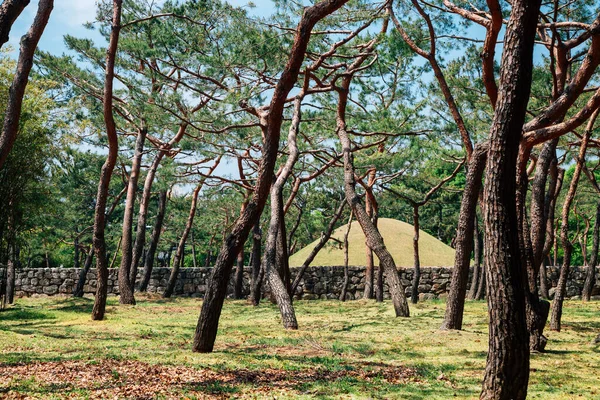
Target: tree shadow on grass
[73,305]
[24,314]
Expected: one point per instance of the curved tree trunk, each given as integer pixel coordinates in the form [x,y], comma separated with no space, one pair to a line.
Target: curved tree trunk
[78,290]
[370,262]
[125,284]
[455,303]
[507,367]
[156,230]
[414,296]
[346,277]
[238,284]
[10,274]
[208,322]
[480,295]
[256,278]
[590,276]
[373,237]
[9,12]
[140,237]
[477,261]
[108,167]
[561,287]
[180,252]
[29,42]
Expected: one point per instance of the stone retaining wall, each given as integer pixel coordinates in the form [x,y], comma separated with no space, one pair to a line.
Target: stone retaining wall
[317,283]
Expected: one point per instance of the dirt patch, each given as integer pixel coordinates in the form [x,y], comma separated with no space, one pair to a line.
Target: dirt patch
[139,380]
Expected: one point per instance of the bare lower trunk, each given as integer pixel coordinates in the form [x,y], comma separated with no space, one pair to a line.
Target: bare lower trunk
[373,237]
[455,303]
[10,280]
[78,291]
[480,295]
[256,281]
[561,287]
[476,261]
[126,268]
[140,238]
[180,252]
[414,296]
[107,169]
[239,277]
[507,367]
[208,322]
[346,277]
[150,255]
[590,276]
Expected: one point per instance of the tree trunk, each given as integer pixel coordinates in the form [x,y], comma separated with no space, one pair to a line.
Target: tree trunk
[180,253]
[256,281]
[9,12]
[370,262]
[561,286]
[590,276]
[140,238]
[78,291]
[480,295]
[414,296]
[127,269]
[373,237]
[11,274]
[276,244]
[477,261]
[76,250]
[238,286]
[29,42]
[507,369]
[346,277]
[455,303]
[194,261]
[108,167]
[208,322]
[156,230]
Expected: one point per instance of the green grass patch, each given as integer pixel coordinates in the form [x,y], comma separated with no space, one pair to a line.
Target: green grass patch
[355,349]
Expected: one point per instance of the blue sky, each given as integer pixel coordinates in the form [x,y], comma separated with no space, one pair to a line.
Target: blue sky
[69,16]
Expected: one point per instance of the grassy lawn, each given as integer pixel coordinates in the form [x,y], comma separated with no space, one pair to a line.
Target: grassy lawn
[49,348]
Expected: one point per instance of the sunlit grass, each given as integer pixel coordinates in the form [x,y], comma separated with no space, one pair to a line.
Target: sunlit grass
[333,336]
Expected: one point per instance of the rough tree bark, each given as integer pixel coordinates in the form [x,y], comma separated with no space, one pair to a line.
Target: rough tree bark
[561,286]
[156,230]
[455,303]
[346,245]
[140,237]
[507,368]
[414,294]
[9,12]
[256,281]
[476,261]
[108,167]
[16,92]
[179,253]
[78,290]
[125,284]
[481,286]
[590,276]
[239,271]
[372,235]
[370,262]
[208,322]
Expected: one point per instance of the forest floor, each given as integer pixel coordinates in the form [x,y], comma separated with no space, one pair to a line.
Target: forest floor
[50,348]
